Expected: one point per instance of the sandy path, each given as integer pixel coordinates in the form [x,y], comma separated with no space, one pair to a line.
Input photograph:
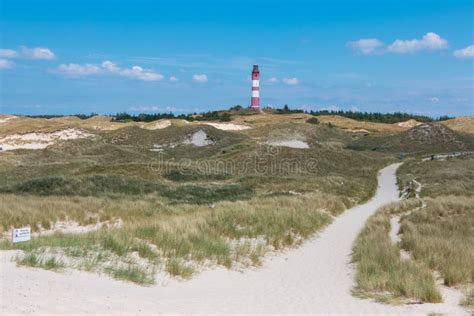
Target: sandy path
[315,278]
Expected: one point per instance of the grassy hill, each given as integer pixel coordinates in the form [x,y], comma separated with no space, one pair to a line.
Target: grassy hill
[422,139]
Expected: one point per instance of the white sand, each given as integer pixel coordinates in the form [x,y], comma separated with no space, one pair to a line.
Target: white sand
[292,143]
[228,126]
[315,278]
[157,125]
[4,120]
[198,139]
[409,124]
[40,140]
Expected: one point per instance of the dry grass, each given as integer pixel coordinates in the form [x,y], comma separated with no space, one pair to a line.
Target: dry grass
[461,124]
[469,300]
[184,236]
[22,125]
[353,125]
[381,273]
[439,236]
[451,177]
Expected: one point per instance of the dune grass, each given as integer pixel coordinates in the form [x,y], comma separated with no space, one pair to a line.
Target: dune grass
[132,273]
[33,259]
[381,273]
[439,236]
[469,300]
[439,178]
[181,238]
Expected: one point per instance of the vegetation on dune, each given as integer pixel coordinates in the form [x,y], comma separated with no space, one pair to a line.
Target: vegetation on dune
[378,117]
[469,300]
[179,238]
[236,199]
[427,138]
[35,260]
[436,231]
[441,235]
[112,186]
[438,177]
[132,273]
[192,175]
[381,272]
[84,186]
[200,195]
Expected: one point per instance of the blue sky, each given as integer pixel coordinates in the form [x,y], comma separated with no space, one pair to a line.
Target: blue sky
[68,57]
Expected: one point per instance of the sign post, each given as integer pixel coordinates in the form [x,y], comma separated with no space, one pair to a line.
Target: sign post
[21,234]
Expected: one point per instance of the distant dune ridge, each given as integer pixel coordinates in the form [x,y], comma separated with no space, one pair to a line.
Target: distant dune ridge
[31,133]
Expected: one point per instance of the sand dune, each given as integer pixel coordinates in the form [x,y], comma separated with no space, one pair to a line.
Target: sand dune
[315,278]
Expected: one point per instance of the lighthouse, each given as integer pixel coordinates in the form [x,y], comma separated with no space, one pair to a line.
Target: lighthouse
[255,101]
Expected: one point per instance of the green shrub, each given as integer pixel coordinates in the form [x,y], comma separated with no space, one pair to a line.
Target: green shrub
[200,195]
[189,175]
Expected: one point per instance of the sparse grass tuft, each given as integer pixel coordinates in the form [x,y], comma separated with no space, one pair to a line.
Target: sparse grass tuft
[469,300]
[133,274]
[39,261]
[177,268]
[189,175]
[84,186]
[202,195]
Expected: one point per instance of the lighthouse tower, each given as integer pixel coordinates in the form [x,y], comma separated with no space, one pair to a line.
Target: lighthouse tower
[255,101]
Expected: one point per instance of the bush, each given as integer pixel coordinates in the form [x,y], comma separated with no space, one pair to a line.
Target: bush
[175,175]
[202,195]
[86,186]
[312,120]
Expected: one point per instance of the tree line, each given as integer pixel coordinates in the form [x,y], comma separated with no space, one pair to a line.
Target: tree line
[226,115]
[376,117]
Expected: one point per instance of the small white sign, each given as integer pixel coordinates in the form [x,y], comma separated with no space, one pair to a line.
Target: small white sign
[21,234]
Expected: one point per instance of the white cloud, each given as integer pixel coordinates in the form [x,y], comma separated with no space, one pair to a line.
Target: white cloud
[76,70]
[8,53]
[6,64]
[137,72]
[110,68]
[37,53]
[173,79]
[291,81]
[365,46]
[273,80]
[430,41]
[202,78]
[154,108]
[145,108]
[467,52]
[433,99]
[28,53]
[354,109]
[331,108]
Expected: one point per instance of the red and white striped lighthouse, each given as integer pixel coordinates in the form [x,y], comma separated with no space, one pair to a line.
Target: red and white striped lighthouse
[255,102]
